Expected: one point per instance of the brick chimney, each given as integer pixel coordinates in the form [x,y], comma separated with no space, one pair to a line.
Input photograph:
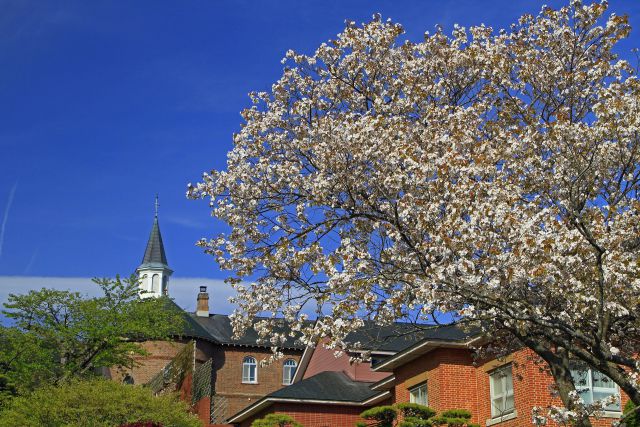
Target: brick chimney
[202,306]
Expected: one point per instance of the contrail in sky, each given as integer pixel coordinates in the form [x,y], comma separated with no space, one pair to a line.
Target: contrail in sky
[6,215]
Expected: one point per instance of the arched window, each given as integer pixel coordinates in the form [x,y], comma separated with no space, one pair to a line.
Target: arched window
[288,371]
[165,285]
[155,283]
[128,379]
[249,370]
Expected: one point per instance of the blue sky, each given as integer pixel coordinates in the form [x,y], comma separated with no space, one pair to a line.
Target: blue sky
[106,103]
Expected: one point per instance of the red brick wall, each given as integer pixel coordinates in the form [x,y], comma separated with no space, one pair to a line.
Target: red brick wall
[228,375]
[324,360]
[450,377]
[454,382]
[310,415]
[160,353]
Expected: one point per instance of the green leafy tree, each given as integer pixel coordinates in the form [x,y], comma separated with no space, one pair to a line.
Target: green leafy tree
[96,403]
[276,420]
[58,335]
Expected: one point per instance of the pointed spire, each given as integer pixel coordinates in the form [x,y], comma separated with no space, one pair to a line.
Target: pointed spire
[154,271]
[154,254]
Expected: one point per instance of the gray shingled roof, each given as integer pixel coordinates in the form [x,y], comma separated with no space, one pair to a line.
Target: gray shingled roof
[334,386]
[320,388]
[392,338]
[154,253]
[219,327]
[398,336]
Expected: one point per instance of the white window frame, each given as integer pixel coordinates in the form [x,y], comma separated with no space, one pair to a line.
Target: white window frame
[415,391]
[504,392]
[588,388]
[288,371]
[247,363]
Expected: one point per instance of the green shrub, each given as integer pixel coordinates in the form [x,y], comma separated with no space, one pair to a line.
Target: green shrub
[276,420]
[96,403]
[450,422]
[415,422]
[416,411]
[415,415]
[384,415]
[633,420]
[457,413]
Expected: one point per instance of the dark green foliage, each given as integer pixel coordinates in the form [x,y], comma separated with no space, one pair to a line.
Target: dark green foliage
[416,411]
[453,418]
[142,424]
[58,335]
[450,421]
[96,403]
[414,415]
[457,413]
[276,420]
[384,416]
[415,422]
[634,419]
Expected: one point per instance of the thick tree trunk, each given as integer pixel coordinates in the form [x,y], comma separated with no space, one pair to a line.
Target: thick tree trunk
[560,367]
[561,372]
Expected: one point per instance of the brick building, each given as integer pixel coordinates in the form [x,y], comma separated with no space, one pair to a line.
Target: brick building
[218,374]
[222,378]
[439,371]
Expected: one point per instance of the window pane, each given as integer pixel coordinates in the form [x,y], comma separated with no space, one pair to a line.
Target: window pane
[602,381]
[419,395]
[497,407]
[599,395]
[593,385]
[509,404]
[501,388]
[580,378]
[508,381]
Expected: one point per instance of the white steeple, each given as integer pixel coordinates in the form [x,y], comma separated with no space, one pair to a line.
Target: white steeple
[154,271]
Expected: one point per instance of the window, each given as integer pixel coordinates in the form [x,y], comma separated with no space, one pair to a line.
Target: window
[592,386]
[501,389]
[128,379]
[418,394]
[288,371]
[249,370]
[155,283]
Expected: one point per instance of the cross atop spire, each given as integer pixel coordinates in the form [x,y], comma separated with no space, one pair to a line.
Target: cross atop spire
[157,205]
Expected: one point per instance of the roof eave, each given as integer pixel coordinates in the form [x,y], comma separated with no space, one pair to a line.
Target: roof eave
[421,348]
[268,401]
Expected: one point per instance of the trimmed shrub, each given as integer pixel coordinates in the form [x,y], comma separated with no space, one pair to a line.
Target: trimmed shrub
[413,410]
[383,415]
[276,420]
[457,413]
[415,422]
